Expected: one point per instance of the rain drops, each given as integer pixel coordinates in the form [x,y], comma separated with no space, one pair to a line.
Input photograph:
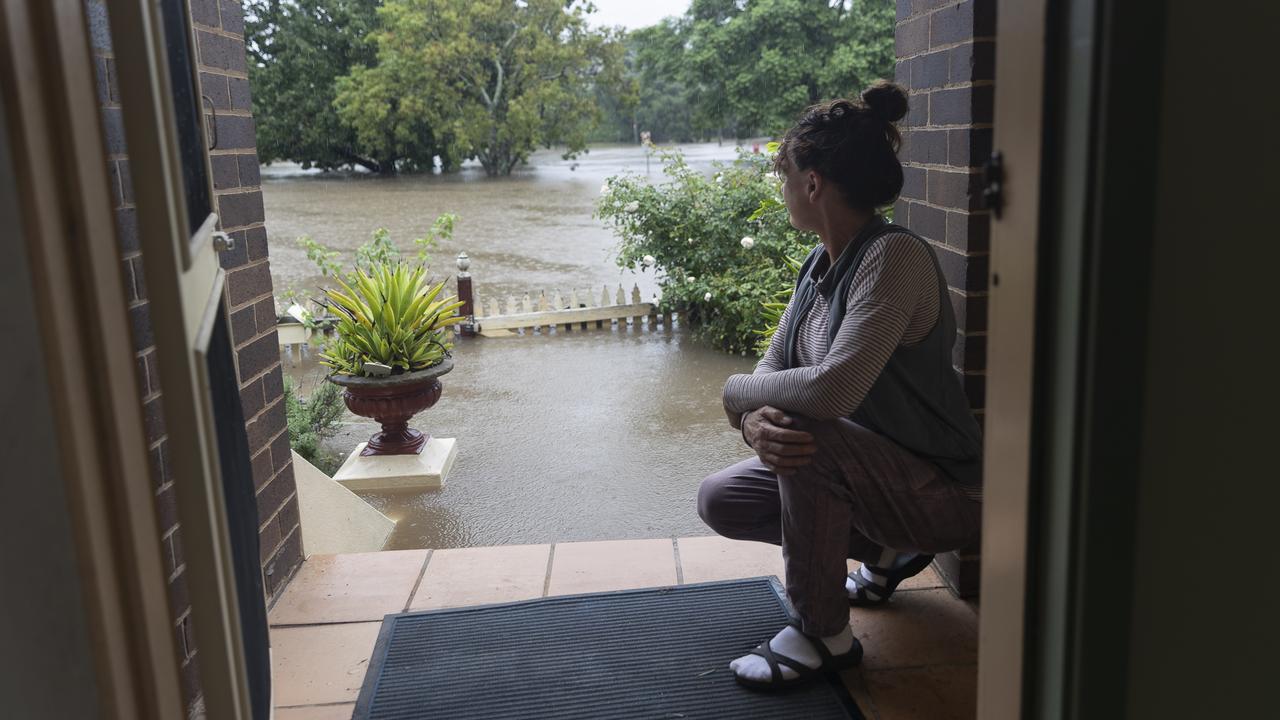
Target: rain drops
[748,242]
[631,206]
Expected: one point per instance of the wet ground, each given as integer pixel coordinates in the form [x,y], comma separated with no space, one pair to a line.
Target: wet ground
[569,436]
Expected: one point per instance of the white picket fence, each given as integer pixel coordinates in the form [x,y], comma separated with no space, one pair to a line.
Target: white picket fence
[560,314]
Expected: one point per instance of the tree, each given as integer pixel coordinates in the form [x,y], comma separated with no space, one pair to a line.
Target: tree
[297,48]
[494,79]
[759,63]
[750,66]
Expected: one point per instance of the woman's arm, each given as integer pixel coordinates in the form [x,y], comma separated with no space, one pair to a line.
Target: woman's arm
[893,278]
[774,358]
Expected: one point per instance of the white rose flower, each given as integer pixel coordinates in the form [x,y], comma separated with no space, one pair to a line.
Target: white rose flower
[604,189]
[690,241]
[631,206]
[718,178]
[707,297]
[648,260]
[691,279]
[748,242]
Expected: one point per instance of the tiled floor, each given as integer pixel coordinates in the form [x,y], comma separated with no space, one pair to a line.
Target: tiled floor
[921,650]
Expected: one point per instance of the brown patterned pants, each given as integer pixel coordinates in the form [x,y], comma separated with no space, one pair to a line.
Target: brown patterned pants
[863,497]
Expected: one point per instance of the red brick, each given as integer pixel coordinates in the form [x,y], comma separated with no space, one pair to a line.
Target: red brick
[248,283]
[226,171]
[257,356]
[911,37]
[250,170]
[281,457]
[256,243]
[268,539]
[220,52]
[244,325]
[205,12]
[266,426]
[167,508]
[232,16]
[273,384]
[265,311]
[252,401]
[263,469]
[953,189]
[236,132]
[153,419]
[215,87]
[140,327]
[968,232]
[928,146]
[127,230]
[929,222]
[113,131]
[281,567]
[240,209]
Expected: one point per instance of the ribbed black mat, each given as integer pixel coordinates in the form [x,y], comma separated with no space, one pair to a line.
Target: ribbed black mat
[661,653]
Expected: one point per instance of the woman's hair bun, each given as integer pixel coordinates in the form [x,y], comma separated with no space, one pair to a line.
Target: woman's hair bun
[886,100]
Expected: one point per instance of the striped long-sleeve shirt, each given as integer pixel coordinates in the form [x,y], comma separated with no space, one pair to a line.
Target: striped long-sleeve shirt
[893,300]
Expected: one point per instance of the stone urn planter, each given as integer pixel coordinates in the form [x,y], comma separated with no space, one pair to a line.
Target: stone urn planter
[392,401]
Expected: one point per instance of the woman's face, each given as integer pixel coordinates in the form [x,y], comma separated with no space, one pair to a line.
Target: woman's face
[797,195]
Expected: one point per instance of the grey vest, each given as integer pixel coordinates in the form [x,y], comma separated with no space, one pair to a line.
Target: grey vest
[918,401]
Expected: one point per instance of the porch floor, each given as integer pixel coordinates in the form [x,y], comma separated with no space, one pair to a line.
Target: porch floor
[921,650]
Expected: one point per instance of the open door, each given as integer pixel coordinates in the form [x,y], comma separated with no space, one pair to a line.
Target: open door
[168,140]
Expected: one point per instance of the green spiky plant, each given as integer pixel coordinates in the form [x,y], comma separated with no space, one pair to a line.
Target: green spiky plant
[389,314]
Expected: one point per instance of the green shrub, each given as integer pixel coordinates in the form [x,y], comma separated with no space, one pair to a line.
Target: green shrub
[313,420]
[693,230]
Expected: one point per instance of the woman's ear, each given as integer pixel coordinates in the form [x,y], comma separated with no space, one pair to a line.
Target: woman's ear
[813,186]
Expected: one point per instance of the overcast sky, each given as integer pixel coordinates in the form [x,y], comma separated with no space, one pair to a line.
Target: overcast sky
[633,14]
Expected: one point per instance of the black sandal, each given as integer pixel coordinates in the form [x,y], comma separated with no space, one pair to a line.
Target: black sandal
[804,674]
[912,566]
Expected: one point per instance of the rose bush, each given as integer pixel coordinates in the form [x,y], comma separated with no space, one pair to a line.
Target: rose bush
[721,245]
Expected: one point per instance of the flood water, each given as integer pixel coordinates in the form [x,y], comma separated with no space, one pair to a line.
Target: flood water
[561,437]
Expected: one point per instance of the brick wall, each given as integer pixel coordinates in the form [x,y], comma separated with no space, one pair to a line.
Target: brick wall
[946,59]
[219,28]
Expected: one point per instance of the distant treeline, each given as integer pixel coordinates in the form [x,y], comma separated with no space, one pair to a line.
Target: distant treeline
[398,85]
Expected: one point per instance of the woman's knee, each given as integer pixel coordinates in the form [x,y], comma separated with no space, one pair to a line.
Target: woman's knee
[726,509]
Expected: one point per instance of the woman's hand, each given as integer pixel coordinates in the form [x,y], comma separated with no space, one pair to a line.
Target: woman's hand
[779,447]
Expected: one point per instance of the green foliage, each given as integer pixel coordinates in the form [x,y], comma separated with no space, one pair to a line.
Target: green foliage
[297,49]
[750,66]
[389,315]
[491,80]
[313,420]
[693,229]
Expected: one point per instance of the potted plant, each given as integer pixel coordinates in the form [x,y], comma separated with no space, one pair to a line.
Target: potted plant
[389,349]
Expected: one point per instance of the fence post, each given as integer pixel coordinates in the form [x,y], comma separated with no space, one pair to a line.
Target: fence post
[466,296]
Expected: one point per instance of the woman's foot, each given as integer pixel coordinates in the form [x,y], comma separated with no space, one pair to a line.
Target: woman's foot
[792,657]
[871,585]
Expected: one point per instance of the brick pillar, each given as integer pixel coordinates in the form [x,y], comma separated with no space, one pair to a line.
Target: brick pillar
[219,27]
[946,60]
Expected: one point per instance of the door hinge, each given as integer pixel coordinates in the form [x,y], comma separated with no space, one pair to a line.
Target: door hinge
[993,183]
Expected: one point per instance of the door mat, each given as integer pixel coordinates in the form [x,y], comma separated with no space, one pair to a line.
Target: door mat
[660,653]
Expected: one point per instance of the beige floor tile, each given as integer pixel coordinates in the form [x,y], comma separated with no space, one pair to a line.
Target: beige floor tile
[857,687]
[611,565]
[940,692]
[317,712]
[704,559]
[477,576]
[321,663]
[924,627]
[355,587]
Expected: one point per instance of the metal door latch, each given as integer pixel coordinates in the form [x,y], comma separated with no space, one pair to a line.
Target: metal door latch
[223,242]
[993,183]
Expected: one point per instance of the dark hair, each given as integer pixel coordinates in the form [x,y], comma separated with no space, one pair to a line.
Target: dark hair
[852,143]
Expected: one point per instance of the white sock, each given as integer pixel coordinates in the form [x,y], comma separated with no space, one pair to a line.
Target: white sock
[792,643]
[869,576]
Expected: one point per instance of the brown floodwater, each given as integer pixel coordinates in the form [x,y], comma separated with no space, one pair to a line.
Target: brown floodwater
[561,437]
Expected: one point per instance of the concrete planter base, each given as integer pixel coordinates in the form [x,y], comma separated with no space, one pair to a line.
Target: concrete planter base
[424,470]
